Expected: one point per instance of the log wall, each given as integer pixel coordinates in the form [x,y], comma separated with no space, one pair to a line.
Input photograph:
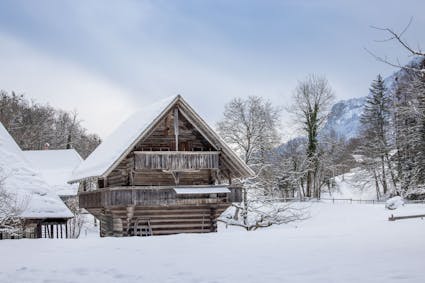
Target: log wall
[162,220]
[120,209]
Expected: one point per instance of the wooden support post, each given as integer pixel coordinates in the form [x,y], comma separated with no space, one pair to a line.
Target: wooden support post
[61,231]
[39,231]
[131,177]
[66,230]
[213,221]
[176,127]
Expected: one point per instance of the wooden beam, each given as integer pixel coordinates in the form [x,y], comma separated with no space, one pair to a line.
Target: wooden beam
[176,127]
[394,218]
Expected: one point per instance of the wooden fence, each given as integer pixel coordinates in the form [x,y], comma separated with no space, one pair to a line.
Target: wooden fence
[340,200]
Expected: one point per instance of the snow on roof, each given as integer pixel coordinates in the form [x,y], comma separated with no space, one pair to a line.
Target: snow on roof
[125,137]
[56,167]
[115,145]
[204,190]
[27,184]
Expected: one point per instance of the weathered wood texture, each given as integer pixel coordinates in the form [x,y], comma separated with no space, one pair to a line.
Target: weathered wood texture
[109,197]
[394,218]
[162,220]
[137,197]
[176,160]
[162,138]
[160,178]
[152,161]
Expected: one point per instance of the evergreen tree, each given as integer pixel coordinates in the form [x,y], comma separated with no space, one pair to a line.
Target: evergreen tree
[411,138]
[375,122]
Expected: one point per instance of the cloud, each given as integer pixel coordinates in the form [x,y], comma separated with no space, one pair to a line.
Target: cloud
[101,104]
[106,60]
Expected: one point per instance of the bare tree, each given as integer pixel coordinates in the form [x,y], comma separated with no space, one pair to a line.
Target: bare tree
[260,210]
[250,126]
[266,213]
[312,100]
[10,209]
[33,125]
[392,35]
[77,222]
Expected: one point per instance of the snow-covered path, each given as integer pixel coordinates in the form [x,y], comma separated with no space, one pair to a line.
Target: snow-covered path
[340,243]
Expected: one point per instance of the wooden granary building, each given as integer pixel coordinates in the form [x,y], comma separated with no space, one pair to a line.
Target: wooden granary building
[164,171]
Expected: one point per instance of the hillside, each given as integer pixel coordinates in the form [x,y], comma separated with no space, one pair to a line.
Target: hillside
[344,118]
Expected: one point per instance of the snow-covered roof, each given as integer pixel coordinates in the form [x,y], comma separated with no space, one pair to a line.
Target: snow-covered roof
[114,146]
[56,167]
[38,199]
[109,153]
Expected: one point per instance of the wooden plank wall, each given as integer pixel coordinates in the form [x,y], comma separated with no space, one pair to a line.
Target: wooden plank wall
[163,138]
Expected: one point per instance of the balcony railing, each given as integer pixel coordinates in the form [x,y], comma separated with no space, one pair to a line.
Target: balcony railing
[154,196]
[176,160]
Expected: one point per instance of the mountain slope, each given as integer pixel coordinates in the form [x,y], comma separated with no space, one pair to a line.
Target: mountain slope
[344,118]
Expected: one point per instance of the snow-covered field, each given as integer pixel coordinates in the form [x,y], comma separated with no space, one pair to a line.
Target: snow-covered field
[339,243]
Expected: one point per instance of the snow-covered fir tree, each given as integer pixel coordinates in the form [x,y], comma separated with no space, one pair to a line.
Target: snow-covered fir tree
[376,145]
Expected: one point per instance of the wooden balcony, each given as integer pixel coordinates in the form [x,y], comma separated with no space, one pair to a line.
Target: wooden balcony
[155,196]
[176,160]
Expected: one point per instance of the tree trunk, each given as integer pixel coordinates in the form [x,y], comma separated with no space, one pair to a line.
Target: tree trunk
[390,167]
[245,207]
[376,185]
[309,183]
[384,175]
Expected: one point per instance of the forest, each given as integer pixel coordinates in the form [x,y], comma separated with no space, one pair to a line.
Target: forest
[35,126]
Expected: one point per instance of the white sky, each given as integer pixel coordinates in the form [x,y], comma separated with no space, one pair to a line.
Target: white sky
[107,59]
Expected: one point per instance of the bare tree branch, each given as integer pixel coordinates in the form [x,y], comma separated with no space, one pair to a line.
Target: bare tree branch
[398,37]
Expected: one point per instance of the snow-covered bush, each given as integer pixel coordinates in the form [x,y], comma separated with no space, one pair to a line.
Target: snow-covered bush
[263,213]
[10,223]
[394,203]
[77,222]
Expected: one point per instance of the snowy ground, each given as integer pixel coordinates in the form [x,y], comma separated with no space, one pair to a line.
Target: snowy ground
[356,184]
[339,243]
